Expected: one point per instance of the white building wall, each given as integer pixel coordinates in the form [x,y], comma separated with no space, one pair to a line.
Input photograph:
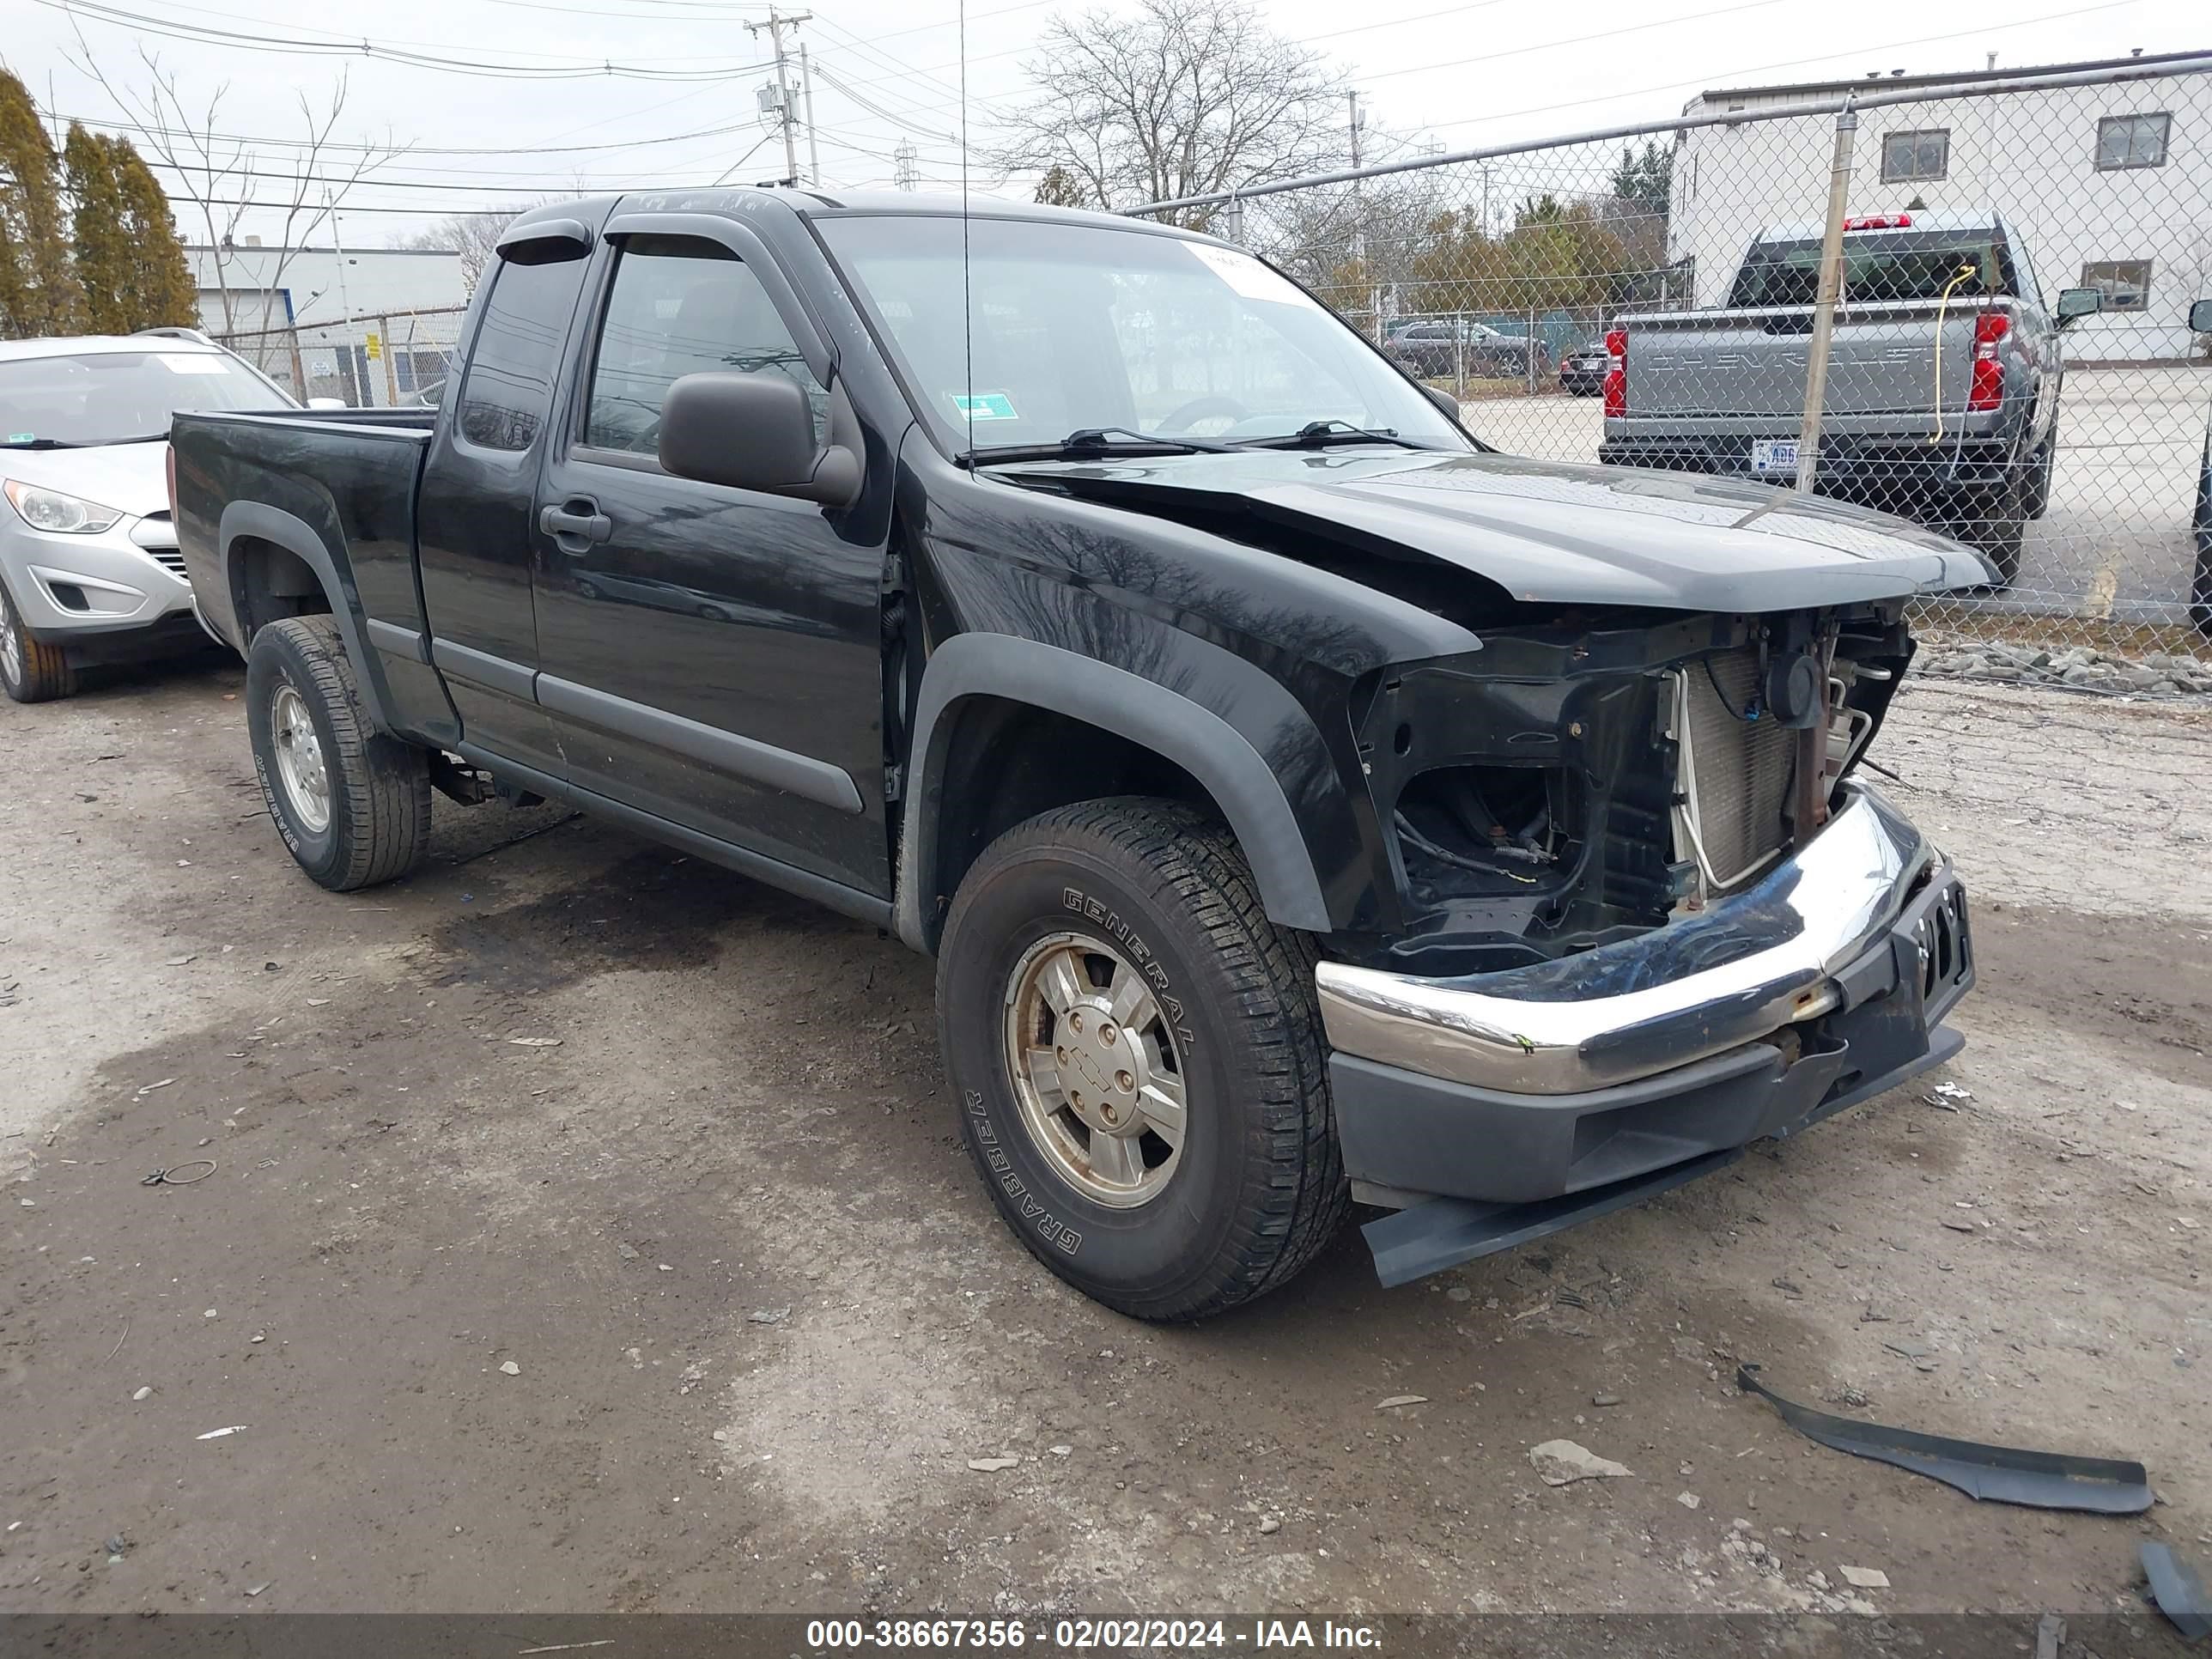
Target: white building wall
[293,322]
[2031,155]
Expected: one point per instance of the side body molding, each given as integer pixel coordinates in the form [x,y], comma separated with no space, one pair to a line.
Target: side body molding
[241,520]
[1195,738]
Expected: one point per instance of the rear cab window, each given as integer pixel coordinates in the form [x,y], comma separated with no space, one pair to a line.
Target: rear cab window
[508,391]
[1889,265]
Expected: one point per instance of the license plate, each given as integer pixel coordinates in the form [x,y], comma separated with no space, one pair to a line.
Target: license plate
[1774,454]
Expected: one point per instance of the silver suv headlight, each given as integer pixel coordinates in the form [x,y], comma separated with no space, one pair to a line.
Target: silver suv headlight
[50,510]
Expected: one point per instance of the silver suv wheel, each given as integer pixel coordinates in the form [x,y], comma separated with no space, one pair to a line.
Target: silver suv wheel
[1096,1070]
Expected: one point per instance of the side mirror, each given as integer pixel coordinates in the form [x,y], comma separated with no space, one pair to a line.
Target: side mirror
[1442,400]
[2200,317]
[2075,303]
[753,431]
[326,403]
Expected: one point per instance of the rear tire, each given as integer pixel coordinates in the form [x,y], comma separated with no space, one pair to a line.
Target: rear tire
[352,805]
[2039,478]
[30,670]
[1169,1216]
[2000,531]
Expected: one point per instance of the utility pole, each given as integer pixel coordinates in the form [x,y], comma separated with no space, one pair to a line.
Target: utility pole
[1359,214]
[906,170]
[785,112]
[813,140]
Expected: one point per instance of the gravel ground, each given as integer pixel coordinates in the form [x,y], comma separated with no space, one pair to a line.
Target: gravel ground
[588,1232]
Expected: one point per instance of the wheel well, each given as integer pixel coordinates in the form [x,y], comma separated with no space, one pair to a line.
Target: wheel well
[269,583]
[1005,761]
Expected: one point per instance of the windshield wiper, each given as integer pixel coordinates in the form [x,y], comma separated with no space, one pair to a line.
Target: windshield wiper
[40,443]
[1319,435]
[142,438]
[1100,440]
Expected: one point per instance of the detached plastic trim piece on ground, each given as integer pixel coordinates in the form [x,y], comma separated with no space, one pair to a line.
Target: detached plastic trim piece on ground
[2002,1475]
[2178,1590]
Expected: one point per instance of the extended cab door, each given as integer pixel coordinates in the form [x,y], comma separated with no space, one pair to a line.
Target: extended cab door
[712,656]
[477,502]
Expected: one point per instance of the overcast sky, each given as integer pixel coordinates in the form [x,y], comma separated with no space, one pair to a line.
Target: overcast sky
[889,71]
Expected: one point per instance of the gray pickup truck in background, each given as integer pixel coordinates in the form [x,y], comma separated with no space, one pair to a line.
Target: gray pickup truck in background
[1944,371]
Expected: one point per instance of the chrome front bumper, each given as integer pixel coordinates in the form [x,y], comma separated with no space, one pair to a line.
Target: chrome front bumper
[1750,965]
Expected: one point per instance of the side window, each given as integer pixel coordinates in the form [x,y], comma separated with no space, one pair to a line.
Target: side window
[509,389]
[679,306]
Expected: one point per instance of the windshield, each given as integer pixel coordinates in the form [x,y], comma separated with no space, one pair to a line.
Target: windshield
[1880,265]
[1080,326]
[107,396]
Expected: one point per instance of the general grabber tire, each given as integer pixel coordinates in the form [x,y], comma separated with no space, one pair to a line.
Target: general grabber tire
[352,805]
[1137,1059]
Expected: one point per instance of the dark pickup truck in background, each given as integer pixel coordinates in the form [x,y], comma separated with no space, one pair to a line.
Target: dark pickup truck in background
[1944,375]
[1323,808]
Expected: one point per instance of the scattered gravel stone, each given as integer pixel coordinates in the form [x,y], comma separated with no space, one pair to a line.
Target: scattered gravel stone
[1688,1500]
[1558,1463]
[511,1368]
[2156,674]
[1866,1577]
[992,1465]
[1271,1524]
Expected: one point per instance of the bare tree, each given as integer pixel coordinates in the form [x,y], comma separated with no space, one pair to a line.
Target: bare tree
[220,179]
[474,236]
[1185,97]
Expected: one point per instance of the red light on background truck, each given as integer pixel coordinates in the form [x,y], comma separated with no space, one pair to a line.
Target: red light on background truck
[1616,373]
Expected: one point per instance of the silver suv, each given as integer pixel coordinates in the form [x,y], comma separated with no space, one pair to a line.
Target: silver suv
[89,570]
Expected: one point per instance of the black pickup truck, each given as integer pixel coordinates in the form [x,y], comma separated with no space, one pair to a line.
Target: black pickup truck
[1305,804]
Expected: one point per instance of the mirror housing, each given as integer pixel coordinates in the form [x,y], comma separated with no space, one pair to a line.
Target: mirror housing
[2076,302]
[2200,317]
[1442,400]
[755,431]
[327,403]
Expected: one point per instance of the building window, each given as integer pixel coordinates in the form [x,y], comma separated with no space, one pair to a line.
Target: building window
[1910,157]
[2126,282]
[2131,141]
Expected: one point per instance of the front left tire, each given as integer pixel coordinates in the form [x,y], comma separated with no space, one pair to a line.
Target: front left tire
[1137,1058]
[30,669]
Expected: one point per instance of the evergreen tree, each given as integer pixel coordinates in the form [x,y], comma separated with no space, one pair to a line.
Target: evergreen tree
[103,252]
[163,293]
[39,292]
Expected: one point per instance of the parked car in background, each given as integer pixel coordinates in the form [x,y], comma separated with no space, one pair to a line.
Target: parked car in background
[1324,808]
[89,570]
[1944,372]
[1582,371]
[1443,348]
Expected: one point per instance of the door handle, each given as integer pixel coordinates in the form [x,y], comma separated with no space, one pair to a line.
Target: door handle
[576,525]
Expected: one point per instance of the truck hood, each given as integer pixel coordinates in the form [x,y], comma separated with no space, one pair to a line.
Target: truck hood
[132,478]
[1552,534]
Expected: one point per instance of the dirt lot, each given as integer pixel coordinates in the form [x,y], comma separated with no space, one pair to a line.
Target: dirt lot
[703,1309]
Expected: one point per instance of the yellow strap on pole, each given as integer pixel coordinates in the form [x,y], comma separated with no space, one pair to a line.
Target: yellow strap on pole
[1965,272]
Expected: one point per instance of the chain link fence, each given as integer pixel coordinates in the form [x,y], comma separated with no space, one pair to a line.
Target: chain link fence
[1654,296]
[396,360]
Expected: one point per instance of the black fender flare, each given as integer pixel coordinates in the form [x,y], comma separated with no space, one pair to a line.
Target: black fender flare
[1163,720]
[258,521]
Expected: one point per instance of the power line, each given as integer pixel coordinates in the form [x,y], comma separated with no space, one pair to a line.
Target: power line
[233,40]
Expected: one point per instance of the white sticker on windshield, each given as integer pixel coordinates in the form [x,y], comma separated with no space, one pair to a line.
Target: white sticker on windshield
[1248,276]
[190,362]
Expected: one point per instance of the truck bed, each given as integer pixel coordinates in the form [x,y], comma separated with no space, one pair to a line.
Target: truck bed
[349,476]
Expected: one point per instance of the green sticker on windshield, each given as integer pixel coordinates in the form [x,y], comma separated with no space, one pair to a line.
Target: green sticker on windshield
[23,437]
[985,406]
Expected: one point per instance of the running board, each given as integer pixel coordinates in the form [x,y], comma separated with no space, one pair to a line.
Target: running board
[1413,1244]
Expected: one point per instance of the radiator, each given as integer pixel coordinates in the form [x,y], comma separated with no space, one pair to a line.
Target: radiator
[1737,773]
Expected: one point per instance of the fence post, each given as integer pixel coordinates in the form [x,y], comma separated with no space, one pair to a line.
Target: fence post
[1531,350]
[390,370]
[1823,305]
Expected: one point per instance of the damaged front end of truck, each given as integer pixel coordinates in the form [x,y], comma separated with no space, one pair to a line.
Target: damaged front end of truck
[1653,915]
